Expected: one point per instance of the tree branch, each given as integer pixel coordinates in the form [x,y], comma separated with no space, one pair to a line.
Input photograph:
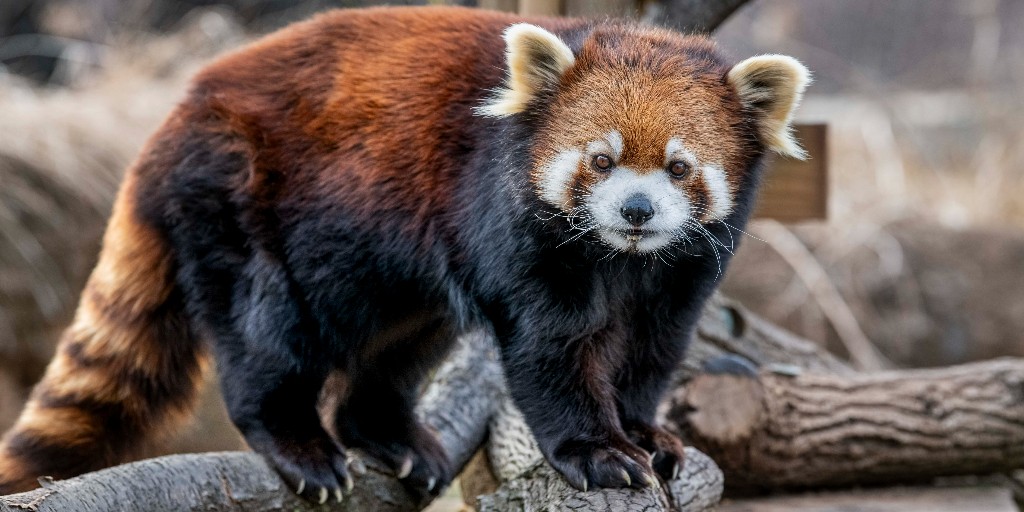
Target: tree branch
[691,15]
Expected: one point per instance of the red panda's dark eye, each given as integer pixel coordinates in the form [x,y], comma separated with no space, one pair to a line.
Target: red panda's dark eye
[679,169]
[602,162]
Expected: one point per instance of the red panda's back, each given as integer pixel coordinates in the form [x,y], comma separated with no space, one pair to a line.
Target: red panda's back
[372,108]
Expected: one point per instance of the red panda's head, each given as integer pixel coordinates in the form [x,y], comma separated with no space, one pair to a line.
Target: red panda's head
[646,134]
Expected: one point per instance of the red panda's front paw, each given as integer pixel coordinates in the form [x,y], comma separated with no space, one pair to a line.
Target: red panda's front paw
[589,465]
[667,451]
[316,470]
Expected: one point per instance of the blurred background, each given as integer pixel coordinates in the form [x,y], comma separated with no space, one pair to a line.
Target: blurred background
[919,262]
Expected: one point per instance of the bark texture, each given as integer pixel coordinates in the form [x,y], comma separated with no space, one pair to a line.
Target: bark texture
[812,430]
[226,481]
[698,487]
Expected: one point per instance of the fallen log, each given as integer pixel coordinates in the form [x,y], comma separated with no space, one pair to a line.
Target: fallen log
[798,430]
[898,499]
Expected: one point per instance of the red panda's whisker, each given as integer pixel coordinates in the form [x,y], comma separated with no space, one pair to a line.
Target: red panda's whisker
[704,233]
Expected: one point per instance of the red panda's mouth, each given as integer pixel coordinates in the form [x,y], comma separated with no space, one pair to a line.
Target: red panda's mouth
[635,232]
[636,240]
[634,235]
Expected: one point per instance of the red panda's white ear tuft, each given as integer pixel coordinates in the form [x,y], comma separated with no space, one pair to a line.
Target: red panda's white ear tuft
[771,86]
[536,60]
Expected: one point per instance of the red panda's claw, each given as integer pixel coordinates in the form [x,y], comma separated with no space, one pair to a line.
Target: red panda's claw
[406,467]
[357,465]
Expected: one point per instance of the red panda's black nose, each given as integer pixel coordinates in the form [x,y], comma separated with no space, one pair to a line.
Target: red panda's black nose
[637,209]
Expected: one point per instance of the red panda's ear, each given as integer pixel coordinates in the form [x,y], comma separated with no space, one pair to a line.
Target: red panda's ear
[536,60]
[771,86]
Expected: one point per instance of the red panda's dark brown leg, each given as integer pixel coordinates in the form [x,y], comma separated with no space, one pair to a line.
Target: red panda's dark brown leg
[385,381]
[274,406]
[564,387]
[648,370]
[271,361]
[271,390]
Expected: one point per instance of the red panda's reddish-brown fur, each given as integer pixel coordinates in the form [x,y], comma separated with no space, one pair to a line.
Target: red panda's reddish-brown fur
[379,98]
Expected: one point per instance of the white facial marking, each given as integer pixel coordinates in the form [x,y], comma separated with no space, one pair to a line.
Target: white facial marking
[610,145]
[556,177]
[671,209]
[713,176]
[614,138]
[675,150]
[719,190]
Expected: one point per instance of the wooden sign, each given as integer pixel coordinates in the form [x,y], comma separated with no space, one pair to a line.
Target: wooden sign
[796,190]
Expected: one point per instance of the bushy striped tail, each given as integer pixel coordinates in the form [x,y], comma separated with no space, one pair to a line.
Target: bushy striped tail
[126,370]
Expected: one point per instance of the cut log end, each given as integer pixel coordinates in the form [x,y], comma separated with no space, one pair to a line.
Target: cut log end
[722,408]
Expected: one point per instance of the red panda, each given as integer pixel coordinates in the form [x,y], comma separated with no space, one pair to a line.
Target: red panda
[350,193]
